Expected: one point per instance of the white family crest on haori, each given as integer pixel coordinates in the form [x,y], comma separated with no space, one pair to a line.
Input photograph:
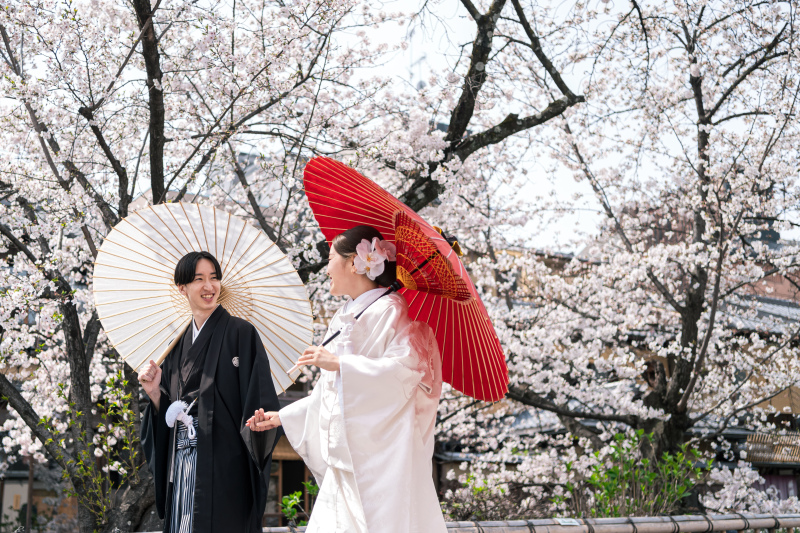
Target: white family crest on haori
[144,314]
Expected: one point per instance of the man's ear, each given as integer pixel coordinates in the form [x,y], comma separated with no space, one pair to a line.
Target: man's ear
[182,290]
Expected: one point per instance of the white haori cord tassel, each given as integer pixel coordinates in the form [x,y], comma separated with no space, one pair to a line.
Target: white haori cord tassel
[178,411]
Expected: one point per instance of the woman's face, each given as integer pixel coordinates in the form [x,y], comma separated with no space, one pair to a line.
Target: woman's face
[203,291]
[340,270]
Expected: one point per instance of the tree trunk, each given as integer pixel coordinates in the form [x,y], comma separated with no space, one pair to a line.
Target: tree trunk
[86,521]
[132,503]
[667,436]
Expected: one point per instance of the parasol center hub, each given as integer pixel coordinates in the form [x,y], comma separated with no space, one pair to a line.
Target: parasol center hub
[406,279]
[237,299]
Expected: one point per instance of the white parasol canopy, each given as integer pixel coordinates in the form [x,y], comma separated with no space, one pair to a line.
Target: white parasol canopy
[143,313]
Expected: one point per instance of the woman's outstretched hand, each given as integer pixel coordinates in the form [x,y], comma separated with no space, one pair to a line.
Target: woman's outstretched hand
[319,356]
[262,421]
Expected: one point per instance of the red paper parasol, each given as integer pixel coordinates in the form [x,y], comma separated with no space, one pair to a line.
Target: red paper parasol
[436,284]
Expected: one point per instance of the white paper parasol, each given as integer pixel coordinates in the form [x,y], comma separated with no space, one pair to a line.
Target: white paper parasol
[143,313]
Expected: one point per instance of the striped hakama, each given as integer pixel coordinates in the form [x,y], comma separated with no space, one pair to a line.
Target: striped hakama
[182,512]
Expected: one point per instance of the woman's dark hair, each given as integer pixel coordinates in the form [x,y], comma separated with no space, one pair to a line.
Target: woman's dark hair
[187,266]
[345,245]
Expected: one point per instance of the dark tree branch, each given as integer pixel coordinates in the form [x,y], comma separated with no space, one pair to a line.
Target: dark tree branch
[425,189]
[18,244]
[152,62]
[476,74]
[749,70]
[122,173]
[473,11]
[646,40]
[90,333]
[528,397]
[252,199]
[32,419]
[739,115]
[579,430]
[681,407]
[536,46]
[511,125]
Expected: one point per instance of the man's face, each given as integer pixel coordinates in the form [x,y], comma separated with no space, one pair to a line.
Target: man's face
[203,291]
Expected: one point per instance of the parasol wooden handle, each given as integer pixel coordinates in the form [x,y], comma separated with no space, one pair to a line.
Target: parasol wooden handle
[172,344]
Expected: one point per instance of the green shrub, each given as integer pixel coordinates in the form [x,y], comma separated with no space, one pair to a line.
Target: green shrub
[626,484]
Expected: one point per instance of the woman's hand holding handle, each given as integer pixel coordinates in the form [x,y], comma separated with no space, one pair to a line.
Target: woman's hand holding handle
[319,356]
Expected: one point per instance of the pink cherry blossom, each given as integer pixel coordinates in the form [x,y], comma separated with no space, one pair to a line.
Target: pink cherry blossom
[369,260]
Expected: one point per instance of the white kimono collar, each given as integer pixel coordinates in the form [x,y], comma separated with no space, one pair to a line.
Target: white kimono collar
[353,306]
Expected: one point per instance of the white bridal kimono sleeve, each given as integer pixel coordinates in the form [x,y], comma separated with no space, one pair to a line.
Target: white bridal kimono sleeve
[366,432]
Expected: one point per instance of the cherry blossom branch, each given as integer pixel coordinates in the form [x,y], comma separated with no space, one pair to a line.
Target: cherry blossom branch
[122,173]
[714,306]
[42,132]
[146,27]
[603,198]
[752,68]
[738,286]
[748,8]
[290,190]
[536,46]
[252,199]
[726,421]
[233,128]
[777,349]
[32,419]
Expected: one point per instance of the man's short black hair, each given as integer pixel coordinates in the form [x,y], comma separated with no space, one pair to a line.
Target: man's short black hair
[187,266]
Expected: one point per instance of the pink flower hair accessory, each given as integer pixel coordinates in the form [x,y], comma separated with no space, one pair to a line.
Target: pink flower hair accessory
[371,256]
[386,248]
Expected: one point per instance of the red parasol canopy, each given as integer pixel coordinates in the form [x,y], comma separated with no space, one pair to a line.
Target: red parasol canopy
[436,284]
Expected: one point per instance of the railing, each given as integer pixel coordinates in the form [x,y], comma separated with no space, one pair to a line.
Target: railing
[655,524]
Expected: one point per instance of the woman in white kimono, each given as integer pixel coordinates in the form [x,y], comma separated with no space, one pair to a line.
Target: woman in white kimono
[366,432]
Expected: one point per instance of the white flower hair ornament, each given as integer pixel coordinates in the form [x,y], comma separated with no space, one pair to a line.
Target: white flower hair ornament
[371,256]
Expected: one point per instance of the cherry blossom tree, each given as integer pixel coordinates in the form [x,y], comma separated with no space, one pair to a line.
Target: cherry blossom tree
[99,104]
[678,118]
[165,101]
[688,142]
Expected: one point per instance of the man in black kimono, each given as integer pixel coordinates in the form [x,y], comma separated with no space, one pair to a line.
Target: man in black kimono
[215,481]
